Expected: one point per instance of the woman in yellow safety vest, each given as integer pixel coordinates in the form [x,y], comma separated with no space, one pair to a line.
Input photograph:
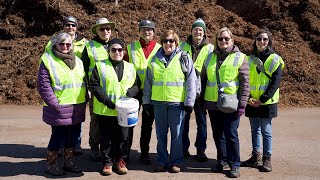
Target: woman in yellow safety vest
[61,85]
[170,86]
[112,79]
[226,72]
[265,76]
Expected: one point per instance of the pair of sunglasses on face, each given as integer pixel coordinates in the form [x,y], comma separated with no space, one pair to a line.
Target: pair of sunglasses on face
[72,25]
[65,44]
[168,40]
[262,39]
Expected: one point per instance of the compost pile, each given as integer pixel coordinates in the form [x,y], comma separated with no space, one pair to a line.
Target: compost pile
[26,26]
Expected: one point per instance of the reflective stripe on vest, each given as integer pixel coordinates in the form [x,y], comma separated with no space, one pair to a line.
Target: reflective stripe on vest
[68,87]
[137,57]
[259,82]
[111,86]
[228,83]
[96,52]
[168,82]
[202,56]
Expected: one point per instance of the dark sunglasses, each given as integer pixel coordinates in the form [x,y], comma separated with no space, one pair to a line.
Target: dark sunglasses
[64,44]
[225,39]
[103,29]
[72,25]
[116,49]
[260,39]
[168,40]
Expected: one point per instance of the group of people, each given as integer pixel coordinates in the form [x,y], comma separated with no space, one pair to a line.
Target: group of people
[170,79]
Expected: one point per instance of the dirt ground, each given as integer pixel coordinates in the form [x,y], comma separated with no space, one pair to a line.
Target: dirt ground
[26,26]
[24,138]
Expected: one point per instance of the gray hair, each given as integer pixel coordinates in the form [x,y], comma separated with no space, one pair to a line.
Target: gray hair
[61,37]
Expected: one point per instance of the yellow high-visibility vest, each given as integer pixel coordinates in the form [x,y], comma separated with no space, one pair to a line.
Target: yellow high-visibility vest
[67,84]
[168,82]
[260,82]
[140,62]
[111,86]
[228,75]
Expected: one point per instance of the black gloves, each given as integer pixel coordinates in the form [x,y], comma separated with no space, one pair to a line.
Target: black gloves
[188,109]
[109,104]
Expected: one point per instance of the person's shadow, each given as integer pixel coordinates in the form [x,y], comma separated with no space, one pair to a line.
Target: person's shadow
[19,159]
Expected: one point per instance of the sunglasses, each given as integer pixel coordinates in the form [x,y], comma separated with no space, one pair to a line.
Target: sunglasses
[103,29]
[72,25]
[114,50]
[262,39]
[225,39]
[65,44]
[168,40]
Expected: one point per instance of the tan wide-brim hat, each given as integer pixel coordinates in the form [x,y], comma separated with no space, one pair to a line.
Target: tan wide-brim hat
[102,21]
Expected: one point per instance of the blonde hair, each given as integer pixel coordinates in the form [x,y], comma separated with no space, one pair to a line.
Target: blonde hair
[168,33]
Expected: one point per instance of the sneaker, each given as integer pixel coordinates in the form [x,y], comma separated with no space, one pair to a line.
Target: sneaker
[107,170]
[77,151]
[145,159]
[95,155]
[175,169]
[186,154]
[159,168]
[266,167]
[201,156]
[121,167]
[234,173]
[254,161]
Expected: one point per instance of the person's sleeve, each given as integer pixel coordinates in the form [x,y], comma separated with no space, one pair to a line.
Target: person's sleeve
[147,90]
[204,79]
[273,85]
[191,80]
[244,84]
[97,90]
[44,87]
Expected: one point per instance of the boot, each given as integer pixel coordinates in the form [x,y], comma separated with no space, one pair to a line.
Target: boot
[254,161]
[52,164]
[68,163]
[201,156]
[266,167]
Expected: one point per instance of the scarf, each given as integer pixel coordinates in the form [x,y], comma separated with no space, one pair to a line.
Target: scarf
[68,58]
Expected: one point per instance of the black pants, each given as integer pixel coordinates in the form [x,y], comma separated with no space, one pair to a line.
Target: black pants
[146,127]
[113,140]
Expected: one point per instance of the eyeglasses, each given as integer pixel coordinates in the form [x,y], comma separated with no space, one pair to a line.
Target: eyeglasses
[262,39]
[114,50]
[103,29]
[223,38]
[65,44]
[72,25]
[168,40]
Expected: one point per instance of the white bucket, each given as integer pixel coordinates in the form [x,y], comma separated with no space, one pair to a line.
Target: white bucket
[127,109]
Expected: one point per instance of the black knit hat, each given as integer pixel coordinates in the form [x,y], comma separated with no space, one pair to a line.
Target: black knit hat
[116,41]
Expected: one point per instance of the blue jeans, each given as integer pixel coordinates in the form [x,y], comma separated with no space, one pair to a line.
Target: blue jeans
[261,126]
[225,134]
[169,116]
[64,135]
[201,120]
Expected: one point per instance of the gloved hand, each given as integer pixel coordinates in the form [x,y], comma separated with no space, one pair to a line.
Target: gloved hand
[188,109]
[148,108]
[110,104]
[240,111]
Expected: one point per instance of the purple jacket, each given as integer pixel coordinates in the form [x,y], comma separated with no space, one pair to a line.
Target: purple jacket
[55,114]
